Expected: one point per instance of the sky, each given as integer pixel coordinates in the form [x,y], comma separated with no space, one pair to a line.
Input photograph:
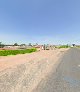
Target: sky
[40,21]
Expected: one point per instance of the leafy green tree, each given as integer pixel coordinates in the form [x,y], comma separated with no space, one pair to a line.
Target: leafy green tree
[23,45]
[30,44]
[15,44]
[73,44]
[1,45]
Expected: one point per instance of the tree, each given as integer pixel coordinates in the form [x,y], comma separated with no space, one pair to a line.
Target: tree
[30,44]
[1,45]
[23,45]
[44,47]
[36,43]
[0,42]
[73,45]
[15,44]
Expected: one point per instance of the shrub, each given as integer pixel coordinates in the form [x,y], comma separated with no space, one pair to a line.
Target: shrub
[64,46]
[15,52]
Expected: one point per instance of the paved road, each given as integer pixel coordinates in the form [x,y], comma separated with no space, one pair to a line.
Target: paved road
[67,75]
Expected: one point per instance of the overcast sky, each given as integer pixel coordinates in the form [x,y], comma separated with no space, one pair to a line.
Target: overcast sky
[40,21]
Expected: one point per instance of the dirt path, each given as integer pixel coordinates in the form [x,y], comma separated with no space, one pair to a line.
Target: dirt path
[22,73]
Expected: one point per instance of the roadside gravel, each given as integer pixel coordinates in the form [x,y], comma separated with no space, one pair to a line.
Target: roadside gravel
[22,73]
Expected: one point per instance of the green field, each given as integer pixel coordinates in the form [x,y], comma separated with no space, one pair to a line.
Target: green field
[15,52]
[63,46]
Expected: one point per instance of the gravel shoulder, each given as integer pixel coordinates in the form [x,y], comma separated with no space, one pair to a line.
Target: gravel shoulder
[66,77]
[22,73]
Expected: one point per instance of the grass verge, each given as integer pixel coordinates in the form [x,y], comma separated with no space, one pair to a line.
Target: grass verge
[15,52]
[63,46]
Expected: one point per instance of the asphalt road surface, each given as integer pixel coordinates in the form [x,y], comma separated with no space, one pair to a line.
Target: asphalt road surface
[66,78]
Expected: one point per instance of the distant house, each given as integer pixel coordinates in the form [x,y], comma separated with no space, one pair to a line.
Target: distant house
[39,47]
[10,47]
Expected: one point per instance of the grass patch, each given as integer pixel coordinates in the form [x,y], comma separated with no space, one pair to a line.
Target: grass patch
[64,46]
[15,52]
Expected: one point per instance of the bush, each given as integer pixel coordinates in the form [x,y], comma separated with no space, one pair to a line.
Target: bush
[64,46]
[15,52]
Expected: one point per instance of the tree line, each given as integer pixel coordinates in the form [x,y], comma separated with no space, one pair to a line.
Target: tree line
[15,44]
